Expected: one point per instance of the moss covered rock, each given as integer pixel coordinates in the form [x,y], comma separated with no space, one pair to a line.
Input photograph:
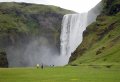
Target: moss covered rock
[21,23]
[3,59]
[101,40]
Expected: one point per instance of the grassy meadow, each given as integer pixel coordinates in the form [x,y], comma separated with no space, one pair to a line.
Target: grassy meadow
[83,73]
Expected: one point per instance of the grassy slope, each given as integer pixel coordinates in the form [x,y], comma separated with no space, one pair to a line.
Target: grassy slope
[22,19]
[82,73]
[101,43]
[20,23]
[61,74]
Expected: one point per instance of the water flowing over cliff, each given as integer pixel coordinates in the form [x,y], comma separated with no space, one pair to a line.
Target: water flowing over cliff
[30,34]
[72,29]
[101,39]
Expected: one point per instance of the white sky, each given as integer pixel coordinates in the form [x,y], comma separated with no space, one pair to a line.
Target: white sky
[75,5]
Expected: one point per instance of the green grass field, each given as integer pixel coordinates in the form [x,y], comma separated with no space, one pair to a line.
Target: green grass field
[83,73]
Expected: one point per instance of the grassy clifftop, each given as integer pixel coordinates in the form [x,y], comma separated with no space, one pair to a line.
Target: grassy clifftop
[101,43]
[22,19]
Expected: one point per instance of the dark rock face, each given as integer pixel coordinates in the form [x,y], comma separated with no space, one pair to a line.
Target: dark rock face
[108,3]
[22,23]
[114,9]
[3,59]
[111,7]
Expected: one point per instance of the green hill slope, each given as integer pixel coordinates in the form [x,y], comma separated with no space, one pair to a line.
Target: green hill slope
[101,43]
[21,23]
[28,20]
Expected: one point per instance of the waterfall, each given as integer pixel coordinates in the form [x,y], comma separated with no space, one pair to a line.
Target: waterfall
[41,50]
[72,29]
[71,32]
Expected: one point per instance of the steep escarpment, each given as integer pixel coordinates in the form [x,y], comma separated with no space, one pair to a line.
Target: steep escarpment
[22,26]
[28,20]
[101,40]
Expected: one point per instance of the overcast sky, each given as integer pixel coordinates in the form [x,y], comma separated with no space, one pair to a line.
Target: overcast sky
[75,5]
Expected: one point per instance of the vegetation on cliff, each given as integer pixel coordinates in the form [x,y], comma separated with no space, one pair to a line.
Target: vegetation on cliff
[101,42]
[22,22]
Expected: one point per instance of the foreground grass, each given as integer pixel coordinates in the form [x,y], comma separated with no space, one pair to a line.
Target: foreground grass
[82,73]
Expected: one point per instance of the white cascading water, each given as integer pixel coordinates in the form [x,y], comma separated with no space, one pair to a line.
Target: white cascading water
[73,26]
[72,29]
[40,51]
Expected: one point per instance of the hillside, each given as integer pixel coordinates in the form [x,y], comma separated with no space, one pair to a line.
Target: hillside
[22,23]
[101,40]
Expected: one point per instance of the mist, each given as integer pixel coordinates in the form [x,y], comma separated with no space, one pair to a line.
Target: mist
[38,51]
[42,50]
[73,26]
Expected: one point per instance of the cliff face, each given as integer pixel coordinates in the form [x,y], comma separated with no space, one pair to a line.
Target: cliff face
[101,40]
[21,23]
[3,59]
[21,20]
